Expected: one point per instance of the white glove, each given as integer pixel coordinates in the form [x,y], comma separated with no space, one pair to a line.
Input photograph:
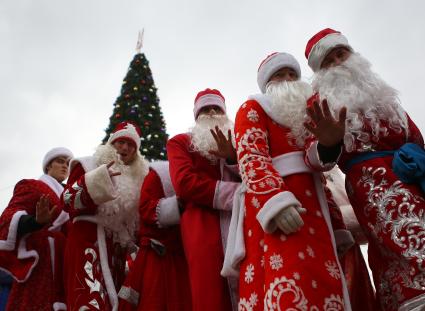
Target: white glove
[289,220]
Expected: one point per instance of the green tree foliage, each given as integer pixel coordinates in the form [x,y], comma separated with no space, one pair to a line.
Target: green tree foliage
[139,103]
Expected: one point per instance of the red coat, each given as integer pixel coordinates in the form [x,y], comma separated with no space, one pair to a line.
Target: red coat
[280,272]
[206,199]
[29,258]
[158,279]
[391,215]
[94,265]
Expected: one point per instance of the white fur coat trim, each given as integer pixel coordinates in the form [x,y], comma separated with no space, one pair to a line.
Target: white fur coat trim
[99,185]
[22,252]
[163,171]
[168,212]
[265,102]
[274,206]
[314,161]
[53,184]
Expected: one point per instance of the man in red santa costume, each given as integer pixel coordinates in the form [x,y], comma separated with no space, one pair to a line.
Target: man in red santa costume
[203,175]
[291,258]
[375,143]
[360,288]
[102,196]
[31,241]
[158,279]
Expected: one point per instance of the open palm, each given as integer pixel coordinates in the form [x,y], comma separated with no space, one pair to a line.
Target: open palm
[328,130]
[225,149]
[43,213]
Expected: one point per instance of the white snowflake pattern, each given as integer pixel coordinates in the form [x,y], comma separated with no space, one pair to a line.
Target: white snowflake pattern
[282,237]
[314,284]
[308,193]
[253,299]
[332,268]
[296,276]
[251,173]
[249,233]
[255,202]
[276,261]
[249,273]
[334,302]
[318,214]
[311,231]
[301,255]
[271,182]
[310,251]
[252,115]
[265,248]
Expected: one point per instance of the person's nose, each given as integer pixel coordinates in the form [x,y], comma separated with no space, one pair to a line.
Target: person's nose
[337,61]
[288,77]
[126,146]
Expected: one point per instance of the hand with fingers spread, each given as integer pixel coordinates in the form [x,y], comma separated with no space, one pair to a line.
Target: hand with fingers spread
[112,173]
[289,220]
[328,130]
[43,212]
[225,147]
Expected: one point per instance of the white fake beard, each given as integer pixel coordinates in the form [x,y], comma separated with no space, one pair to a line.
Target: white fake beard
[121,215]
[288,105]
[201,137]
[353,84]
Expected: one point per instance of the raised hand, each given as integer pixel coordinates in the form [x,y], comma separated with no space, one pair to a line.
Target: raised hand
[225,147]
[328,130]
[112,173]
[43,212]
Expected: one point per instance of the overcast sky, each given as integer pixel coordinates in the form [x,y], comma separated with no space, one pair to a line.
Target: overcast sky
[62,62]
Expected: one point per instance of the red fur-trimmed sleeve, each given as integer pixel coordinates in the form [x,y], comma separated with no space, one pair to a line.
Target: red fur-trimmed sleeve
[190,184]
[271,195]
[155,208]
[23,202]
[75,197]
[150,195]
[14,255]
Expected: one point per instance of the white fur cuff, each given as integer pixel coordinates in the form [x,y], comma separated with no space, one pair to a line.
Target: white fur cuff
[314,159]
[168,212]
[223,197]
[274,206]
[129,294]
[99,185]
[59,306]
[413,304]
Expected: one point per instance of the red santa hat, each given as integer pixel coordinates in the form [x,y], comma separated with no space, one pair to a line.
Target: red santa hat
[321,44]
[126,130]
[273,63]
[54,153]
[209,97]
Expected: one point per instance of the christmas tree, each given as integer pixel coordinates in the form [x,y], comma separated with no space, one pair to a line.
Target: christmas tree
[139,103]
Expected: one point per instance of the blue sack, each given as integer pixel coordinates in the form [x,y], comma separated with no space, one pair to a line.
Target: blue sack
[409,164]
